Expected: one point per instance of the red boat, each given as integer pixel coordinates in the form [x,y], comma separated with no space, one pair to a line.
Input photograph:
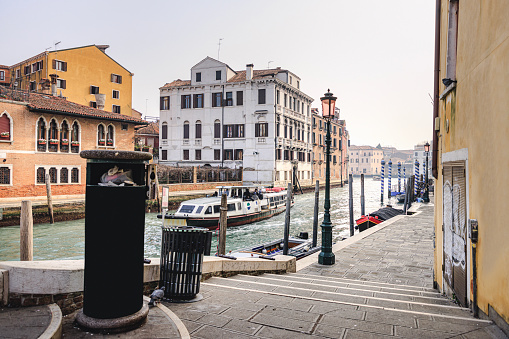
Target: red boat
[367,221]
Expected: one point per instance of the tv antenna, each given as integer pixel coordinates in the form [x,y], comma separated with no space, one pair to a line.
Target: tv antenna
[219,48]
[268,64]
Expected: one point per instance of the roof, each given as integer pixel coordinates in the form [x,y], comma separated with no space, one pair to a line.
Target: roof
[3,66]
[353,147]
[257,74]
[177,83]
[47,103]
[151,128]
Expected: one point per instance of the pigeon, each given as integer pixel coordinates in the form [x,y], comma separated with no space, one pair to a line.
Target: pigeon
[156,296]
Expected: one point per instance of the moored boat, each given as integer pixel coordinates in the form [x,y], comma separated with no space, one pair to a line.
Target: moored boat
[377,217]
[297,247]
[246,204]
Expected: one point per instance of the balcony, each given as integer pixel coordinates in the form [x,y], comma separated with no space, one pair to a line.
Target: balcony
[217,141]
[197,142]
[185,142]
[261,140]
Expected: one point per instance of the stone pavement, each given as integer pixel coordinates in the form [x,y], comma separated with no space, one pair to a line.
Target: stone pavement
[27,322]
[380,287]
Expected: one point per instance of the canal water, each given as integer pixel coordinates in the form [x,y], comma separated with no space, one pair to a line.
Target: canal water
[66,240]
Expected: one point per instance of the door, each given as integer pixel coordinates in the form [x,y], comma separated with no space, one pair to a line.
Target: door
[454,221]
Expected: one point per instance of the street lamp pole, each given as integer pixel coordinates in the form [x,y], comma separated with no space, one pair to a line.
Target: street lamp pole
[425,198]
[326,256]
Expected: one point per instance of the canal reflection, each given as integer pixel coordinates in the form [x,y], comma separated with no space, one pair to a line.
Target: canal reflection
[66,240]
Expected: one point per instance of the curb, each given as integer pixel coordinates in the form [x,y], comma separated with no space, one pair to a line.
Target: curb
[54,330]
[182,329]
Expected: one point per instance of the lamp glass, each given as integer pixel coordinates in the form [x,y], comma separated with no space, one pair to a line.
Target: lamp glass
[426,147]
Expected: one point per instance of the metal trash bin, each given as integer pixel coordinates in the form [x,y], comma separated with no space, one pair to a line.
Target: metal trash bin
[182,251]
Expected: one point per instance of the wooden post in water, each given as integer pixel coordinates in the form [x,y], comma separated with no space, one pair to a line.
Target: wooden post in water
[26,232]
[315,214]
[287,218]
[222,225]
[50,200]
[363,209]
[350,200]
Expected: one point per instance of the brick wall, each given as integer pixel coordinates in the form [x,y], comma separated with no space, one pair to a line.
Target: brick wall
[22,155]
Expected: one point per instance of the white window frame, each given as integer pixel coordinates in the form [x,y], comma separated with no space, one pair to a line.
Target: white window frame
[9,166]
[2,75]
[59,168]
[113,94]
[11,129]
[59,83]
[113,109]
[59,65]
[117,77]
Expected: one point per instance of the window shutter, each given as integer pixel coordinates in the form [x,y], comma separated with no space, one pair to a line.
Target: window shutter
[182,101]
[195,100]
[54,64]
[161,102]
[65,67]
[5,124]
[112,75]
[120,79]
[41,65]
[63,84]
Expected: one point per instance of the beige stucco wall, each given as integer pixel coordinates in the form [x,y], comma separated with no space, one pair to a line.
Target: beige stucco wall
[477,111]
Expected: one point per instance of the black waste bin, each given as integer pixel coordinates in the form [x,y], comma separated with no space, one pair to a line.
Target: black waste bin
[182,251]
[114,234]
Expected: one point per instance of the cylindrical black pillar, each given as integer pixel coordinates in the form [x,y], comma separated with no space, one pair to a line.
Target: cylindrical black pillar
[114,237]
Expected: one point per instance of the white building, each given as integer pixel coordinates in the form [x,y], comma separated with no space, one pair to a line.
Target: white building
[255,119]
[420,156]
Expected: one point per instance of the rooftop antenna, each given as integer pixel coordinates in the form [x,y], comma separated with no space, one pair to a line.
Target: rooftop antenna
[56,44]
[219,48]
[268,64]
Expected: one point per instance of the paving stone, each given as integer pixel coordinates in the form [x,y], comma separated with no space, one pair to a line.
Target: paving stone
[355,334]
[191,325]
[239,313]
[289,324]
[446,326]
[211,332]
[214,319]
[409,332]
[356,324]
[488,332]
[243,326]
[280,312]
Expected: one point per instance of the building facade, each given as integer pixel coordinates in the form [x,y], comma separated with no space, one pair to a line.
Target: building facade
[4,75]
[471,158]
[365,160]
[259,120]
[81,75]
[338,148]
[42,135]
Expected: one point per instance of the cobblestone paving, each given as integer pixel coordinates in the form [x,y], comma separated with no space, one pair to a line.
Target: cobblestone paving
[20,322]
[380,287]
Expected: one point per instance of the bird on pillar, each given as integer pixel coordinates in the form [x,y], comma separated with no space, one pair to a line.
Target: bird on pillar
[156,296]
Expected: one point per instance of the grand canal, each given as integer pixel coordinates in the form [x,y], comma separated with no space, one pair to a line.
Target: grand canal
[66,240]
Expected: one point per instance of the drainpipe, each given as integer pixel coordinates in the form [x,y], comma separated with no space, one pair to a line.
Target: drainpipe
[436,98]
[222,128]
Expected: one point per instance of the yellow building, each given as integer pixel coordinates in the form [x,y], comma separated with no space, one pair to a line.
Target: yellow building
[471,136]
[81,73]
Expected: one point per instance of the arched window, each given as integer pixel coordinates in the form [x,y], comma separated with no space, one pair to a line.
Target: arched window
[41,175]
[101,138]
[53,136]
[75,176]
[5,127]
[75,138]
[64,175]
[164,131]
[198,129]
[41,135]
[64,137]
[110,137]
[53,175]
[217,129]
[186,129]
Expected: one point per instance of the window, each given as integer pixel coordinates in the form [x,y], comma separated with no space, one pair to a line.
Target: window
[5,176]
[5,127]
[60,65]
[277,129]
[197,154]
[277,97]
[26,70]
[231,207]
[218,75]
[261,96]
[186,129]
[53,136]
[164,131]
[64,137]
[229,99]
[101,137]
[240,98]
[198,130]
[287,154]
[164,154]
[116,94]
[198,76]
[116,78]
[164,103]
[124,127]
[94,90]
[216,99]
[41,175]
[198,100]
[233,131]
[64,175]
[93,104]
[217,154]
[262,129]
[291,79]
[185,101]
[18,73]
[286,99]
[186,154]
[61,83]
[217,129]
[75,138]
[110,137]
[115,109]
[278,154]
[75,176]
[52,175]
[33,86]
[298,84]
[239,154]
[228,154]
[2,75]
[290,102]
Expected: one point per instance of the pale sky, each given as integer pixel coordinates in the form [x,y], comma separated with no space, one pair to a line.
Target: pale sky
[375,56]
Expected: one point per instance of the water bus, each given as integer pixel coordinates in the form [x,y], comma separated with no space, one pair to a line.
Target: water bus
[246,204]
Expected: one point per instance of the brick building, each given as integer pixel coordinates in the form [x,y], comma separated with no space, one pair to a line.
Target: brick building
[41,135]
[4,75]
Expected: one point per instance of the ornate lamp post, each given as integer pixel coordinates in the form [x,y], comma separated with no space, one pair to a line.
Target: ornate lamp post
[425,198]
[326,256]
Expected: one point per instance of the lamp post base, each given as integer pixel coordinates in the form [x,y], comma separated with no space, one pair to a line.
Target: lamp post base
[326,258]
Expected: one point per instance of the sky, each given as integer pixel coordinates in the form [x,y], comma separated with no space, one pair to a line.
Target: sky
[375,56]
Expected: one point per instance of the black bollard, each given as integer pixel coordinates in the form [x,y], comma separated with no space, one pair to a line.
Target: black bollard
[315,214]
[350,192]
[363,209]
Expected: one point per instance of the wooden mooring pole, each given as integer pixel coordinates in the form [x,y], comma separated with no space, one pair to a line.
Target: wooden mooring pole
[222,225]
[287,218]
[350,200]
[363,209]
[315,214]
[50,200]
[26,232]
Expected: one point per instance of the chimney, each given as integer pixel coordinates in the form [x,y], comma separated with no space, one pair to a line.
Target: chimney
[100,99]
[102,47]
[53,84]
[249,72]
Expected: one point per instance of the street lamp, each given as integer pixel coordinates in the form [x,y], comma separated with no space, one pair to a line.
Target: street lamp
[425,198]
[326,256]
